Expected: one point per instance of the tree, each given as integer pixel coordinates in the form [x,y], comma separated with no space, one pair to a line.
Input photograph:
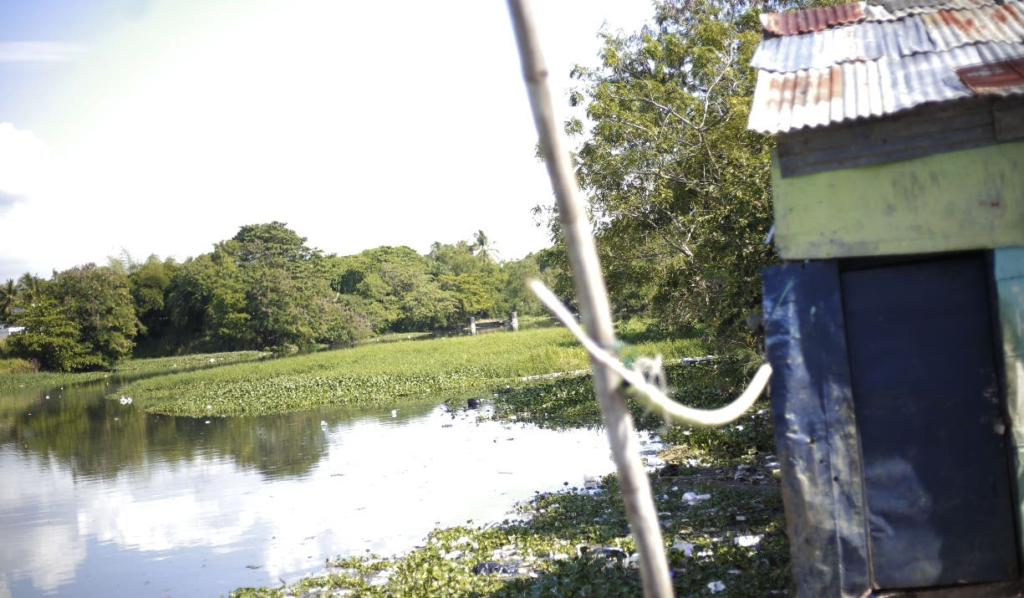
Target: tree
[30,288]
[678,185]
[99,301]
[83,319]
[52,337]
[483,247]
[8,299]
[261,289]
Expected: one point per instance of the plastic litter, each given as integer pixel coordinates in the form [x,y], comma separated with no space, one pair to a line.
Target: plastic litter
[716,587]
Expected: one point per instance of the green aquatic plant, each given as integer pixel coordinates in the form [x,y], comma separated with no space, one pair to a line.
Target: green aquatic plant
[377,375]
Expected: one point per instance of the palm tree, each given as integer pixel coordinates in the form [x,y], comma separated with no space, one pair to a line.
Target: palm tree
[482,246]
[8,296]
[29,288]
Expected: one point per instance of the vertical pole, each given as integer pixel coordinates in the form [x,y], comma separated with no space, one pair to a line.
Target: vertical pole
[513,320]
[593,301]
[472,326]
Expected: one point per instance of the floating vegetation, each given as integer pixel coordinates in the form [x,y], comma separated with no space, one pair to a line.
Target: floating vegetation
[370,375]
[577,543]
[569,402]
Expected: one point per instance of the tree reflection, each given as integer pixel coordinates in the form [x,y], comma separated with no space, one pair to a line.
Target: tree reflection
[96,437]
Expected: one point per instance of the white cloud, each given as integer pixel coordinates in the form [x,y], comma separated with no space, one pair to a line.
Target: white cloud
[24,160]
[39,52]
[358,124]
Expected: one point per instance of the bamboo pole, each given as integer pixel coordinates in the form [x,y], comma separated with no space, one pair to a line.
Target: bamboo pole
[592,297]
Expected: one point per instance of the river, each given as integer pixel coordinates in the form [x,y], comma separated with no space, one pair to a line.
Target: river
[100,499]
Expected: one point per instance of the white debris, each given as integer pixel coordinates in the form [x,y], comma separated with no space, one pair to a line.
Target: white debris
[684,546]
[716,587]
[692,498]
[124,400]
[747,541]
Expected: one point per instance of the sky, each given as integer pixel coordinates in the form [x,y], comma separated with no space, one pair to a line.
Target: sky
[161,127]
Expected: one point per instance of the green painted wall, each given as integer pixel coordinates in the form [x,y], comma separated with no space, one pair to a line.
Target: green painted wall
[971,199]
[1009,275]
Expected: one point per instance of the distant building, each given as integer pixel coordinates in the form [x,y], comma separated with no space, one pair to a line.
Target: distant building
[8,331]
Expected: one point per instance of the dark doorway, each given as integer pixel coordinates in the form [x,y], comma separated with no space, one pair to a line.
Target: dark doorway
[930,420]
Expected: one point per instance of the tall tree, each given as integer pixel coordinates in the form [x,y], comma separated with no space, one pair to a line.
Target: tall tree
[8,299]
[678,185]
[100,302]
[83,319]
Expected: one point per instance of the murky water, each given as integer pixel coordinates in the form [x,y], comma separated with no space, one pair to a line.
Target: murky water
[100,499]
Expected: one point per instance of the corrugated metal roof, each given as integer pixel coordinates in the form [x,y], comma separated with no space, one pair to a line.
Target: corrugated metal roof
[812,19]
[884,64]
[866,89]
[997,77]
[914,6]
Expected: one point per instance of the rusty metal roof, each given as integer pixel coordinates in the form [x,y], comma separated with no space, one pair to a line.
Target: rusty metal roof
[899,55]
[995,77]
[812,19]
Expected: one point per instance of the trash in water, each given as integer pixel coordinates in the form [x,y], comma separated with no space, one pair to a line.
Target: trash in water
[491,567]
[686,547]
[124,400]
[747,541]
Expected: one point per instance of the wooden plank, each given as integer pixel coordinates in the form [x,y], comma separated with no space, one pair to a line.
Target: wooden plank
[1009,119]
[921,132]
[970,199]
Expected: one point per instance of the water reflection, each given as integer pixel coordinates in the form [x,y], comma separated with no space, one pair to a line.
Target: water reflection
[94,437]
[101,499]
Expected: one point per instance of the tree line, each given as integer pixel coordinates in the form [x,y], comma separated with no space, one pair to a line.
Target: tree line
[678,187]
[264,288]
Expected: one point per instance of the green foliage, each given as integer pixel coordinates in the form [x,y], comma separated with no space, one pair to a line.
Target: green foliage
[555,550]
[678,184]
[373,375]
[261,289]
[8,299]
[570,402]
[52,338]
[83,319]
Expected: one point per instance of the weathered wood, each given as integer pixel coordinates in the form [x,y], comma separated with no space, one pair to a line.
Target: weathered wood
[954,201]
[921,132]
[592,297]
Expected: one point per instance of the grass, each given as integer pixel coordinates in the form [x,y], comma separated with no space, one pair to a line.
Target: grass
[17,373]
[377,375]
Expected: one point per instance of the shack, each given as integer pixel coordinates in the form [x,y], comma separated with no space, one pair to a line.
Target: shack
[894,325]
